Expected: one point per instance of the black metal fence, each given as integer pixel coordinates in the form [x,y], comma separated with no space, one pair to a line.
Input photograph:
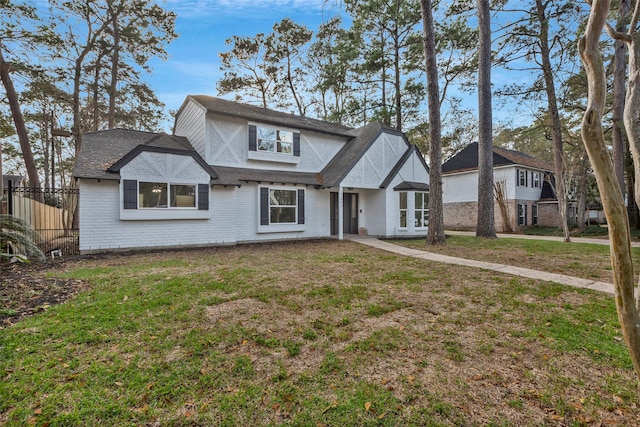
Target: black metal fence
[51,213]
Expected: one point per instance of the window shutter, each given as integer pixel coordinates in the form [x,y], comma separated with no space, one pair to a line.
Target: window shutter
[300,206]
[264,206]
[253,138]
[517,177]
[203,197]
[130,193]
[296,144]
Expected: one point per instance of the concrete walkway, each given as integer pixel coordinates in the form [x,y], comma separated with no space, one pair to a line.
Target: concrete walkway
[590,240]
[507,269]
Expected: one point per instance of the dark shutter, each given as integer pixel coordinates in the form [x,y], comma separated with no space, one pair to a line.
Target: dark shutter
[203,197]
[517,177]
[264,206]
[130,193]
[253,138]
[300,206]
[296,144]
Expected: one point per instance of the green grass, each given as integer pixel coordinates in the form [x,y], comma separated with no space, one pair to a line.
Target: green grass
[589,261]
[322,333]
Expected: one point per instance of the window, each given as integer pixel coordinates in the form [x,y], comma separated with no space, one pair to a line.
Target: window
[421,212]
[536,179]
[534,214]
[403,209]
[149,195]
[276,141]
[281,206]
[163,195]
[522,215]
[522,178]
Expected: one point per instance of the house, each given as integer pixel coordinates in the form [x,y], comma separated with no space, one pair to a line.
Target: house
[525,182]
[14,181]
[233,173]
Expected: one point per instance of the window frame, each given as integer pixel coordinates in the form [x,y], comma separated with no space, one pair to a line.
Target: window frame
[534,214]
[169,199]
[522,178]
[403,210]
[536,178]
[522,214]
[423,210]
[265,224]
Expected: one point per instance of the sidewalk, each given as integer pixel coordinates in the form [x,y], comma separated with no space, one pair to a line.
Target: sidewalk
[590,240]
[507,269]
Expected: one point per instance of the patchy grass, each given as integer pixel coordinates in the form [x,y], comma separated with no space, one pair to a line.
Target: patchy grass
[588,261]
[314,333]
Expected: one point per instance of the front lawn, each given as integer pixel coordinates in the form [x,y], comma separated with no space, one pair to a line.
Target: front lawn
[323,333]
[585,260]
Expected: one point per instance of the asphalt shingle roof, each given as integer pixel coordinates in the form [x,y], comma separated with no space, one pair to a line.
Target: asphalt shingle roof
[267,116]
[101,150]
[467,159]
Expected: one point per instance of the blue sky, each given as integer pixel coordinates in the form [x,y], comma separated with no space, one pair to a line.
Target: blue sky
[203,26]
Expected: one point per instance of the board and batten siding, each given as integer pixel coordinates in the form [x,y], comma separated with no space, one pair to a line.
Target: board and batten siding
[190,123]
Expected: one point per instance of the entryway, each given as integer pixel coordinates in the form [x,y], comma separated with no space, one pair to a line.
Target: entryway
[349,213]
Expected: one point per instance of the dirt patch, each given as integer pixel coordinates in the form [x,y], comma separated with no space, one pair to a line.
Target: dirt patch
[26,289]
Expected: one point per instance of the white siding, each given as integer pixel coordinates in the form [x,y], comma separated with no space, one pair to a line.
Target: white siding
[247,216]
[190,124]
[102,229]
[412,171]
[376,163]
[228,145]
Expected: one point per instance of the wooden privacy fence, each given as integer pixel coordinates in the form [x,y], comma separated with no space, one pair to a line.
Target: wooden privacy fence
[50,213]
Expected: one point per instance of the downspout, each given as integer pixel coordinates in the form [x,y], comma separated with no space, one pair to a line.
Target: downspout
[340,213]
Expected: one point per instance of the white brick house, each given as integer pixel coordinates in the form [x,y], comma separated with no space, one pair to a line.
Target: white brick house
[235,173]
[528,194]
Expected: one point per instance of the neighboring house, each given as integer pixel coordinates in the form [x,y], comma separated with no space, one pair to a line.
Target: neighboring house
[239,173]
[528,195]
[14,180]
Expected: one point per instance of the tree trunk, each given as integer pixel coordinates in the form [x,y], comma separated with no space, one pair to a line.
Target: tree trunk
[21,130]
[398,83]
[612,201]
[115,62]
[619,78]
[554,116]
[435,233]
[486,223]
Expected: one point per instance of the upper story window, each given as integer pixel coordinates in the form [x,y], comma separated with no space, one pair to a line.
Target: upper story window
[273,144]
[522,177]
[535,179]
[274,140]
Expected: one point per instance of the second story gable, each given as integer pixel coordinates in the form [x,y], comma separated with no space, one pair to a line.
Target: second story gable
[230,134]
[523,176]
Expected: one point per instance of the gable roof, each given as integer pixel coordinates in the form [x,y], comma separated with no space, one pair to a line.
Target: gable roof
[103,153]
[405,157]
[265,115]
[342,163]
[467,159]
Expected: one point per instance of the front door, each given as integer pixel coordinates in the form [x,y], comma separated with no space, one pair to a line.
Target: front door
[349,213]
